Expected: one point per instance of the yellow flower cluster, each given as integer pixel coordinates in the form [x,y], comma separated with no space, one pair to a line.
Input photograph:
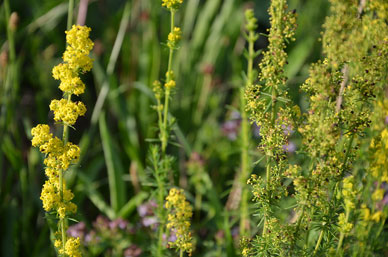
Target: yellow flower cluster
[367,216]
[77,60]
[50,197]
[60,154]
[348,192]
[174,37]
[179,220]
[67,111]
[78,47]
[72,247]
[172,4]
[170,78]
[345,226]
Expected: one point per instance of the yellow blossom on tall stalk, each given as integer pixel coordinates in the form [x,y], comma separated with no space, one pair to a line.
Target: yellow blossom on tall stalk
[179,216]
[162,162]
[59,153]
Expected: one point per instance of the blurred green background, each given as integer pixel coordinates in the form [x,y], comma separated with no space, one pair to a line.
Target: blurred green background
[111,180]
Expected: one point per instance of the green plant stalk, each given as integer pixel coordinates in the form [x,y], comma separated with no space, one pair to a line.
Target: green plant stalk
[318,243]
[161,213]
[342,234]
[163,129]
[61,181]
[70,14]
[270,154]
[164,137]
[245,162]
[181,253]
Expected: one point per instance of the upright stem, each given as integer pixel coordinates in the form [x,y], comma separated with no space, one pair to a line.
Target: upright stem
[163,122]
[269,153]
[164,132]
[61,182]
[318,243]
[342,234]
[70,14]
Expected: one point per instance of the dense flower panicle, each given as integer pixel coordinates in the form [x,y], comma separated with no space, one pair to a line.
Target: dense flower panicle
[180,212]
[72,247]
[66,111]
[78,48]
[70,82]
[60,154]
[40,135]
[172,4]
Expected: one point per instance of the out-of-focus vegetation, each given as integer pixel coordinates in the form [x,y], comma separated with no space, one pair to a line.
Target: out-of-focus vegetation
[116,210]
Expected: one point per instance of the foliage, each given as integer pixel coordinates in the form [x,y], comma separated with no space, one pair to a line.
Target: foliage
[175,102]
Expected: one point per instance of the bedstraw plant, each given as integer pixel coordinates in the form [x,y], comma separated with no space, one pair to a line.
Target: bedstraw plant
[329,186]
[59,152]
[162,163]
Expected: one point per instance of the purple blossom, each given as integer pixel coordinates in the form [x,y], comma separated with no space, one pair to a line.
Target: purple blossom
[290,147]
[149,221]
[132,251]
[101,223]
[118,223]
[92,237]
[287,130]
[147,209]
[386,120]
[230,129]
[77,230]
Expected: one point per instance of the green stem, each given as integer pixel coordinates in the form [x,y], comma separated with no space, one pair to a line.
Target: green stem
[164,131]
[181,253]
[270,153]
[160,206]
[318,243]
[342,234]
[61,181]
[70,14]
[165,116]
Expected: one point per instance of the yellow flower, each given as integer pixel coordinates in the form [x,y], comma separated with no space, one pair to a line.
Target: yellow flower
[40,134]
[377,216]
[174,37]
[378,194]
[49,196]
[72,247]
[170,84]
[179,219]
[70,82]
[78,48]
[345,226]
[67,111]
[173,4]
